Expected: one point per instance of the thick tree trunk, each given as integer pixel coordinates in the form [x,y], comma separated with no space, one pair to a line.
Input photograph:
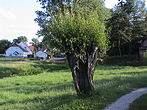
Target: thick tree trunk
[130,48]
[119,47]
[82,71]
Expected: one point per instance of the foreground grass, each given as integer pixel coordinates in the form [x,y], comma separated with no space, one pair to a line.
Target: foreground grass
[55,91]
[139,104]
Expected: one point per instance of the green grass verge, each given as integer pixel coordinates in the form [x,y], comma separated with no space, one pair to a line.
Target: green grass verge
[139,104]
[21,68]
[55,91]
[14,59]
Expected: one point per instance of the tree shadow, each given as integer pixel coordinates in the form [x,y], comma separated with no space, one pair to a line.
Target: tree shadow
[109,67]
[8,71]
[49,67]
[122,73]
[48,103]
[38,87]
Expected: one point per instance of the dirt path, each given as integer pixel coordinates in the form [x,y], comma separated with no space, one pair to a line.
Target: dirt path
[123,102]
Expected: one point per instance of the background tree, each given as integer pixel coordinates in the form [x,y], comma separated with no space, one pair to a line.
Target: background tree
[126,26]
[52,51]
[138,25]
[20,39]
[76,28]
[35,41]
[4,45]
[120,25]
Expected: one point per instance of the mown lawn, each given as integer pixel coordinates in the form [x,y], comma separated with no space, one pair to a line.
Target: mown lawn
[55,91]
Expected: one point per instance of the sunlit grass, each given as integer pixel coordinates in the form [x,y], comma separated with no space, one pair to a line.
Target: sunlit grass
[55,90]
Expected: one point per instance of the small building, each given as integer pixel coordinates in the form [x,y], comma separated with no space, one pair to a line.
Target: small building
[143,49]
[41,55]
[19,50]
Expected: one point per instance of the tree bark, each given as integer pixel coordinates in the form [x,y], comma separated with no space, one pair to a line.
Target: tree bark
[119,47]
[130,48]
[82,71]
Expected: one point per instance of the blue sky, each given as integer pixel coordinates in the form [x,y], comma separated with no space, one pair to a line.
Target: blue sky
[17,18]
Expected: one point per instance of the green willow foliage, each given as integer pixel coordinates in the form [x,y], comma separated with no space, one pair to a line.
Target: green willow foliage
[75,34]
[77,29]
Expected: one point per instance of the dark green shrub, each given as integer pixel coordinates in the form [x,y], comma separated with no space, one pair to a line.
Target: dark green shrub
[145,60]
[29,70]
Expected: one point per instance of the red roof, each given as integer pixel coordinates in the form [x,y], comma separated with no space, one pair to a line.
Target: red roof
[32,48]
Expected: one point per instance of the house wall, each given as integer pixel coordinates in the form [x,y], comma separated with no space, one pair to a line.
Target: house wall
[14,52]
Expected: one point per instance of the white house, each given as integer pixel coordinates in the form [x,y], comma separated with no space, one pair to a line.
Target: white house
[41,54]
[19,50]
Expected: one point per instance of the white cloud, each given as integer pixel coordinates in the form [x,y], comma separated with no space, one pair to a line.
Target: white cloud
[6,14]
[17,23]
[110,3]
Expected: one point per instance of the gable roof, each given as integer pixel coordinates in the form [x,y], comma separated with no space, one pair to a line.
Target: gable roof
[25,46]
[24,50]
[24,43]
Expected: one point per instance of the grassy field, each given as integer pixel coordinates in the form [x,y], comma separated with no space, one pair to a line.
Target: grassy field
[139,104]
[21,68]
[14,59]
[55,91]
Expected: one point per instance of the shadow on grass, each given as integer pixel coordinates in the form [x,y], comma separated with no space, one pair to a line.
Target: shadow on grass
[108,67]
[117,67]
[8,71]
[48,66]
[37,88]
[47,102]
[122,73]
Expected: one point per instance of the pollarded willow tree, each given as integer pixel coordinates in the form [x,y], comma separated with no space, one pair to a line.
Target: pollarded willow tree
[75,27]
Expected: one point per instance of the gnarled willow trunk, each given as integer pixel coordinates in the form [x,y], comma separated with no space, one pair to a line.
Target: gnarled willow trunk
[82,71]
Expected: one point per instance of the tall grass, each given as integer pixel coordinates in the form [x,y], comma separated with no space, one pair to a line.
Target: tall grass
[21,68]
[55,90]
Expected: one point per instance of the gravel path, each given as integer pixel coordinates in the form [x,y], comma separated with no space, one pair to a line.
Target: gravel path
[123,102]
